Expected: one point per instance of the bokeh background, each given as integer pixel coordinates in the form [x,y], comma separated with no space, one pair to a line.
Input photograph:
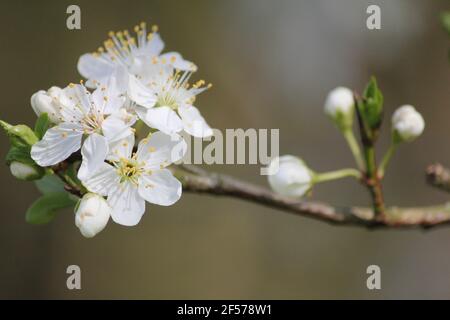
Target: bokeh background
[272,64]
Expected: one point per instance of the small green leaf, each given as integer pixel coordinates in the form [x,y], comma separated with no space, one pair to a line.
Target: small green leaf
[371,108]
[19,135]
[20,154]
[42,125]
[44,209]
[445,20]
[50,184]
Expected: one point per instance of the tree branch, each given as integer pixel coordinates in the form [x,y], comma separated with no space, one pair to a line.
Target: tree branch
[394,217]
[438,176]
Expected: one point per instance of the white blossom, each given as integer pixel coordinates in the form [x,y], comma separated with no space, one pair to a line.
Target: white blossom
[92,214]
[407,123]
[128,53]
[98,117]
[165,100]
[130,179]
[289,176]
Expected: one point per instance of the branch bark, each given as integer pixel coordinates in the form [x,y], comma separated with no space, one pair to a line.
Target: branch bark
[196,180]
[438,176]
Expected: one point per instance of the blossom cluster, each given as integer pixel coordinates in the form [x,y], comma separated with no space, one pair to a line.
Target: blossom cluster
[129,81]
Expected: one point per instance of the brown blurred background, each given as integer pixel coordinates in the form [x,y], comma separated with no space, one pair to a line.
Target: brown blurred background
[272,64]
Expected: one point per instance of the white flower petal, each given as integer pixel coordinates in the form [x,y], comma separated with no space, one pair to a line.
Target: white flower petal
[94,68]
[160,187]
[177,61]
[75,102]
[126,203]
[118,125]
[140,94]
[193,122]
[94,152]
[154,46]
[108,98]
[102,180]
[163,119]
[160,150]
[57,144]
[121,148]
[107,101]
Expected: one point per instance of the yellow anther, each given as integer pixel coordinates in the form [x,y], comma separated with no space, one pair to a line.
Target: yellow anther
[154,28]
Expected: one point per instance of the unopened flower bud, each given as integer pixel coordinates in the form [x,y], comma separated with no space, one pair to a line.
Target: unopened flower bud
[25,171]
[92,214]
[340,106]
[47,102]
[289,176]
[407,124]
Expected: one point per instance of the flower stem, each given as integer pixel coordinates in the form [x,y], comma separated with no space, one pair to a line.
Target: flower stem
[354,147]
[70,185]
[373,181]
[338,174]
[385,161]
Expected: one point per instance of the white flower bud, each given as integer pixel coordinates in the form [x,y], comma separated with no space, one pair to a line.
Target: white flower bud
[92,214]
[340,106]
[289,176]
[407,123]
[47,102]
[24,171]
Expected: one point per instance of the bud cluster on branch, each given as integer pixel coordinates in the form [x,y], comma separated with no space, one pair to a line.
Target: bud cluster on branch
[291,176]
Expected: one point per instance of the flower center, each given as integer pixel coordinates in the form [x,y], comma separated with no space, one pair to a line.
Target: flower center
[92,123]
[167,100]
[122,45]
[129,170]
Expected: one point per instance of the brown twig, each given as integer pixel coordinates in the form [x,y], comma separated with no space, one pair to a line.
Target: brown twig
[394,217]
[197,180]
[60,171]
